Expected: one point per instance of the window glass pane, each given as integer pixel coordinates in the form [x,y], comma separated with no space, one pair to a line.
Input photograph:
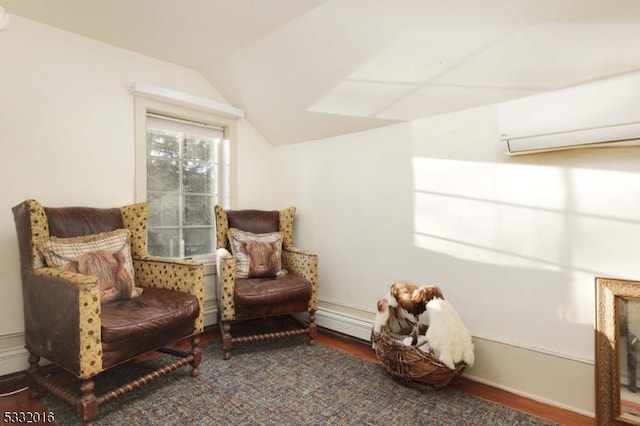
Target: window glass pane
[197,148]
[198,241]
[163,175]
[186,174]
[164,242]
[163,144]
[198,210]
[164,209]
[197,177]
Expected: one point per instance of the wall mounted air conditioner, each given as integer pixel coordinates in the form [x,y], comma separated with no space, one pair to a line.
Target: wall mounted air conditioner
[599,114]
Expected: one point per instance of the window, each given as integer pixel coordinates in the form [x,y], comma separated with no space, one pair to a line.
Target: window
[187,174]
[185,150]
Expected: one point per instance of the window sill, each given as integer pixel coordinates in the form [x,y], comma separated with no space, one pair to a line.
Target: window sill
[209,263]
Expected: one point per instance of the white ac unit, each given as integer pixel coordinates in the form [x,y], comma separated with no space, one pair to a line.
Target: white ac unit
[603,113]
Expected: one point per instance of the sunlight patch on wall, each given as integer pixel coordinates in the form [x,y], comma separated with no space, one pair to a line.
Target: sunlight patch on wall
[513,184]
[467,251]
[542,217]
[501,229]
[617,193]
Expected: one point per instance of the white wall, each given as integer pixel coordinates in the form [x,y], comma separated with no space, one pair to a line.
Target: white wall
[67,133]
[254,170]
[514,242]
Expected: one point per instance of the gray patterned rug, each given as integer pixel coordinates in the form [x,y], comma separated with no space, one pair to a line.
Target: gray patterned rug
[287,382]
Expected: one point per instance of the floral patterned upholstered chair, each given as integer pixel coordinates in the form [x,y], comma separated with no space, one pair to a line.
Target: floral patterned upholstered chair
[93,297]
[261,274]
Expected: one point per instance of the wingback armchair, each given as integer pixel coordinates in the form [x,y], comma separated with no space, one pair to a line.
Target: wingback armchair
[261,274]
[87,308]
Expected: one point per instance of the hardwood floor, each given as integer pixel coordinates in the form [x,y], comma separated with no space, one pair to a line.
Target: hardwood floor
[15,399]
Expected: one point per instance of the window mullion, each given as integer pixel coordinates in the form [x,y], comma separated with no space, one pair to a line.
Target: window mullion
[181,195]
[216,173]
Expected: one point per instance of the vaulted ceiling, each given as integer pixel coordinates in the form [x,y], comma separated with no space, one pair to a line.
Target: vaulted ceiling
[308,69]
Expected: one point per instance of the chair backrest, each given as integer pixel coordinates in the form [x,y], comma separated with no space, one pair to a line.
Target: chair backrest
[35,222]
[67,222]
[255,221]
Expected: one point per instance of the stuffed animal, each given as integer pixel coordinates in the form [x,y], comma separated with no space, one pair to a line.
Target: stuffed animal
[413,298]
[383,314]
[447,335]
[420,342]
[404,298]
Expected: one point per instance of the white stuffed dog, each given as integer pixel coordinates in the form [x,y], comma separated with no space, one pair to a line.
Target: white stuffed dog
[447,335]
[389,316]
[382,315]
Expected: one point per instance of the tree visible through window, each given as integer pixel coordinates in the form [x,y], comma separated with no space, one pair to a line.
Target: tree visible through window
[187,174]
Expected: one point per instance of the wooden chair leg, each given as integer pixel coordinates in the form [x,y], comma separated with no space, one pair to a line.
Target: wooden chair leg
[87,404]
[313,330]
[197,356]
[227,342]
[34,368]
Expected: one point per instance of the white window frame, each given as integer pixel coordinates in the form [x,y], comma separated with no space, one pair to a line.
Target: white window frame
[185,107]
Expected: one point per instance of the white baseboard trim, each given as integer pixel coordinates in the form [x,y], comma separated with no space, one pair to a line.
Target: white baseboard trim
[13,360]
[343,323]
[210,315]
[533,397]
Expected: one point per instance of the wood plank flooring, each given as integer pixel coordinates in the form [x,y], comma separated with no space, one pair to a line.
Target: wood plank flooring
[16,400]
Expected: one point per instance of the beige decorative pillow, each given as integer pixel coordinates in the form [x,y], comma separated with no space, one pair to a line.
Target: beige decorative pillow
[256,255]
[106,256]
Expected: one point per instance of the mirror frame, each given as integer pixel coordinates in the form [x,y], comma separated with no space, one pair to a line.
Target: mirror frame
[607,348]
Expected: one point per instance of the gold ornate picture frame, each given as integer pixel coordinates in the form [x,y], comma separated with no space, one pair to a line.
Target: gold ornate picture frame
[617,317]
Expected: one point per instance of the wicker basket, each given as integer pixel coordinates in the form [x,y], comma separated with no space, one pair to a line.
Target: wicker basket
[410,365]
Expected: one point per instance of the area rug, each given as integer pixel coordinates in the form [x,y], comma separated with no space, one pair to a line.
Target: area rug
[287,382]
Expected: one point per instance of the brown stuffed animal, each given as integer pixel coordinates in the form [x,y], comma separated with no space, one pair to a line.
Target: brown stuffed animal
[413,298]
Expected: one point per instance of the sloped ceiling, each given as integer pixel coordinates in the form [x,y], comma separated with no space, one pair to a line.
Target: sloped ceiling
[308,69]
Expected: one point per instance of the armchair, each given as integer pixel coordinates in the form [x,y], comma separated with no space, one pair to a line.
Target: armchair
[249,286]
[87,309]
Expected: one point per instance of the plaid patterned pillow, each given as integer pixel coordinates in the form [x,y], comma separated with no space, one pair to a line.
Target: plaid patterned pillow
[256,255]
[107,256]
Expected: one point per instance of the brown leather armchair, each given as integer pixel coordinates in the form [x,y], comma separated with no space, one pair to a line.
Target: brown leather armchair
[66,318]
[289,290]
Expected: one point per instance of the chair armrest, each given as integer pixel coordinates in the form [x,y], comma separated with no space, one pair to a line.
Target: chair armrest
[226,267]
[62,319]
[305,264]
[173,274]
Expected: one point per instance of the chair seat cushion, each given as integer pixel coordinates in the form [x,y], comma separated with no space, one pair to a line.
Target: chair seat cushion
[154,319]
[258,297]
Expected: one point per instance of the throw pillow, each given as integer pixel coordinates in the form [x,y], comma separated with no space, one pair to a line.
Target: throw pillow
[256,255]
[106,256]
